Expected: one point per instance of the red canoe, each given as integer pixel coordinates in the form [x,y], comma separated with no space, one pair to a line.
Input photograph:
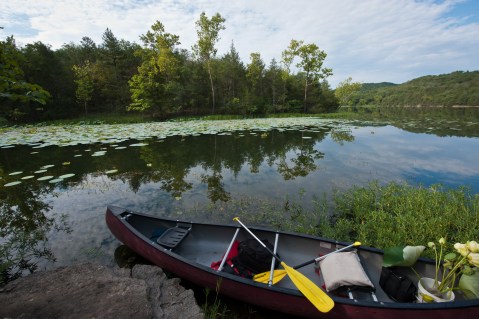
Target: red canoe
[189,249]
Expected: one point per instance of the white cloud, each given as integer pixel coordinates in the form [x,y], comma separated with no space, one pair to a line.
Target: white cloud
[370,40]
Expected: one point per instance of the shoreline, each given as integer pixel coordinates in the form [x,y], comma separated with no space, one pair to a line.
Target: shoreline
[92,290]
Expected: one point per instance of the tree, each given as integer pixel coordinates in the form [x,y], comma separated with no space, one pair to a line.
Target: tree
[311,63]
[88,49]
[84,81]
[155,84]
[208,30]
[287,57]
[13,86]
[44,66]
[231,80]
[255,71]
[118,65]
[275,85]
[346,89]
[255,75]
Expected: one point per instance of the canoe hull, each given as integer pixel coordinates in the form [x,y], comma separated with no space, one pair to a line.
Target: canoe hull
[277,299]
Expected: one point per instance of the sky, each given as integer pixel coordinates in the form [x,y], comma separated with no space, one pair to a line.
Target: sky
[368,40]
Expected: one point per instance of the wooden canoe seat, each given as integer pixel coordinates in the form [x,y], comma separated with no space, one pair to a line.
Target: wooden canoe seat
[173,236]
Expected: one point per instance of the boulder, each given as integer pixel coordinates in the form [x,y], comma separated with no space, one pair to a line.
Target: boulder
[95,291]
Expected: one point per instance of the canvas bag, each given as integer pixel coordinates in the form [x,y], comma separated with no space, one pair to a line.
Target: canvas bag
[344,269]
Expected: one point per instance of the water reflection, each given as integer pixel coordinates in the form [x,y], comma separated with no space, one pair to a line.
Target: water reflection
[24,228]
[183,176]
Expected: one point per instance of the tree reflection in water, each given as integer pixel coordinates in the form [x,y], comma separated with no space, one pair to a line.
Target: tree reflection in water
[25,223]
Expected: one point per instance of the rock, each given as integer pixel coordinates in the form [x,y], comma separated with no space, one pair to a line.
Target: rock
[168,298]
[95,291]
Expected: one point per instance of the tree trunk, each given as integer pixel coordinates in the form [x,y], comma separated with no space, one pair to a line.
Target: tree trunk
[212,87]
[305,93]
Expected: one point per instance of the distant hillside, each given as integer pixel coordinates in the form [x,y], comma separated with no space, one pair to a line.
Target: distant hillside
[374,86]
[457,88]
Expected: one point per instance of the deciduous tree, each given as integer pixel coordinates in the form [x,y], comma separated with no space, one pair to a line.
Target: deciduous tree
[311,60]
[346,89]
[156,81]
[208,35]
[84,81]
[13,86]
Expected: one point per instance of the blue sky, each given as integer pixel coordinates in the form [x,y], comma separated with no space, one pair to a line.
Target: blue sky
[369,40]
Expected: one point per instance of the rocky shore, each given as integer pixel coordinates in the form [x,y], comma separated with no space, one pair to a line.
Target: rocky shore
[95,291]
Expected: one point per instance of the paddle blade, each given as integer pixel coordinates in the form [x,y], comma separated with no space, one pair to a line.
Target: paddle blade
[264,276]
[313,293]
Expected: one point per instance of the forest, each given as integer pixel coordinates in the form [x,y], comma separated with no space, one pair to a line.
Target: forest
[157,78]
[454,89]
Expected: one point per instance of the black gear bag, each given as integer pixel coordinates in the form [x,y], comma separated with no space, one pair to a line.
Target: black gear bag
[253,256]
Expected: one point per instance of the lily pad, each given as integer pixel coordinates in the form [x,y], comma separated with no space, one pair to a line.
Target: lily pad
[402,256]
[12,183]
[66,176]
[44,178]
[99,153]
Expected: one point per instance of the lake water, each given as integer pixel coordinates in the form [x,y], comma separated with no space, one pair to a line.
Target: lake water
[196,170]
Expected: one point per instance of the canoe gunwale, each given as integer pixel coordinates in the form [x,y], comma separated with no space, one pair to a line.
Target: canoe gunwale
[114,213]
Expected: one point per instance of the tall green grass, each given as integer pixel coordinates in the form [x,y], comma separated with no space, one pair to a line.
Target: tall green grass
[400,214]
[381,216]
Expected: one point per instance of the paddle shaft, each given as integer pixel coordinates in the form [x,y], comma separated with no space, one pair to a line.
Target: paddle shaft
[259,240]
[322,257]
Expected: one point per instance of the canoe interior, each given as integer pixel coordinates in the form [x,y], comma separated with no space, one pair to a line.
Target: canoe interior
[208,243]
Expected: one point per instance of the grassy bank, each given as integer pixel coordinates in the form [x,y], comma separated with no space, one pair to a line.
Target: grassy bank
[400,214]
[377,215]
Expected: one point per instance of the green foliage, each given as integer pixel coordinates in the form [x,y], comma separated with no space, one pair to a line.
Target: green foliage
[208,35]
[345,89]
[400,214]
[155,84]
[311,60]
[84,80]
[156,79]
[456,88]
[13,86]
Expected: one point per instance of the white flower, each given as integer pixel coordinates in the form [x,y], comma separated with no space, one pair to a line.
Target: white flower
[474,259]
[461,248]
[473,246]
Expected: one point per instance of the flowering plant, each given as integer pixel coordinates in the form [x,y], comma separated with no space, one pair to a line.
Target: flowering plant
[454,264]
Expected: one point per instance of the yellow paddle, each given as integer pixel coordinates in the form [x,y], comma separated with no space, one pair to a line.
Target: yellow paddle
[279,274]
[313,293]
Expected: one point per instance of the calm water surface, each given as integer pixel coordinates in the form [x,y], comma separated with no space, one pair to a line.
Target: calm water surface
[185,176]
